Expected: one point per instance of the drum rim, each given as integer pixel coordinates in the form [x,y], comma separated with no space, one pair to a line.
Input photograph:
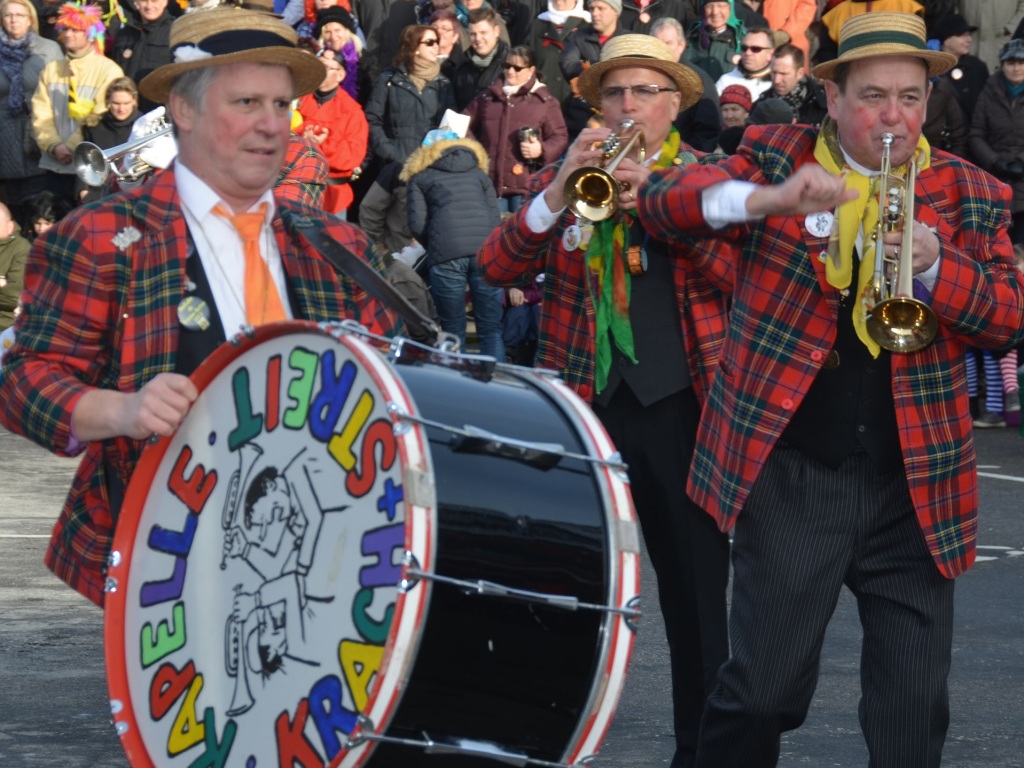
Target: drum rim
[623,583]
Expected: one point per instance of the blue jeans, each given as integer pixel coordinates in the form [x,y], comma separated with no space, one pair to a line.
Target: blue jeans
[448,287]
[509,203]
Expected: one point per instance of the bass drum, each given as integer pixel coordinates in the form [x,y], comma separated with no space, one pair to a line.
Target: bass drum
[340,560]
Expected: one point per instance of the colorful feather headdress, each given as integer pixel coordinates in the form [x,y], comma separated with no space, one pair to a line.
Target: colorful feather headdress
[85,17]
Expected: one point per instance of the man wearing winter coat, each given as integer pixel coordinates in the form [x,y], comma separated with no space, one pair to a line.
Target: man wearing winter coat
[482,62]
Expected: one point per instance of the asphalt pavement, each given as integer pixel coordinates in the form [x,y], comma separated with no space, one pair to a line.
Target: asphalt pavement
[53,696]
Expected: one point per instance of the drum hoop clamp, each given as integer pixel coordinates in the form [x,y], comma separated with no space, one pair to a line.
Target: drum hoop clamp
[366,731]
[413,573]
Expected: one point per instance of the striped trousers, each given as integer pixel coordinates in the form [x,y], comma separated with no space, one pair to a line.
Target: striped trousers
[805,531]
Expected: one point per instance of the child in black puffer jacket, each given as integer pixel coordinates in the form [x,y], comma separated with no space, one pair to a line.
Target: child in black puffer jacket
[452,208]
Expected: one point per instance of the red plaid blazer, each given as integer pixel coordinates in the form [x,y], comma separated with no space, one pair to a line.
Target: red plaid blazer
[101,298]
[783,324]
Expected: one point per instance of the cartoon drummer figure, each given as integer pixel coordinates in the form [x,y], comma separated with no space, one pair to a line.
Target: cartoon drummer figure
[274,530]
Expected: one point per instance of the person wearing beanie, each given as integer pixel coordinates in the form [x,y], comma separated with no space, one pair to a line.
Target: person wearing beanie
[68,91]
[754,68]
[969,75]
[714,43]
[336,31]
[839,450]
[996,136]
[735,104]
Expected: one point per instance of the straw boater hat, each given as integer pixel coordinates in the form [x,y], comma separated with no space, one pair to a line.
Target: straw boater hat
[885,34]
[640,51]
[229,35]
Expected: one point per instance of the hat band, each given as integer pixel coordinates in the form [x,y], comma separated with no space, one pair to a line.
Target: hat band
[237,40]
[854,42]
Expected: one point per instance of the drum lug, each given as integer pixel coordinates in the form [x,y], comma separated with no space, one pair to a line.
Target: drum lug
[402,425]
[411,566]
[114,559]
[631,617]
[110,584]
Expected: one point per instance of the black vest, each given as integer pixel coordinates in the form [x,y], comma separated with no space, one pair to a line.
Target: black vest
[195,345]
[661,368]
[849,407]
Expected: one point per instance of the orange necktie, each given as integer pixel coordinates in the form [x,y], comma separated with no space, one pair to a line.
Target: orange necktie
[262,301]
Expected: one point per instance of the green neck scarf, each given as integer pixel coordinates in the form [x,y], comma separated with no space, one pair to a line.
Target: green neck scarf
[609,278]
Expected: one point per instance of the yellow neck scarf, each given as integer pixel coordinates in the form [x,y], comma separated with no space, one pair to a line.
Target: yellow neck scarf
[852,216]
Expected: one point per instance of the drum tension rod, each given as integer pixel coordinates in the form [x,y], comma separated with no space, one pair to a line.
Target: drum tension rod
[413,573]
[453,746]
[471,439]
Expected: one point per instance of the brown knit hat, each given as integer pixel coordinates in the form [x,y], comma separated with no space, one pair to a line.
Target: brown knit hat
[877,33]
[640,51]
[228,35]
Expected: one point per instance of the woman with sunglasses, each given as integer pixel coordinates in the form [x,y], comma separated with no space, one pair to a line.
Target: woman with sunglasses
[520,125]
[409,97]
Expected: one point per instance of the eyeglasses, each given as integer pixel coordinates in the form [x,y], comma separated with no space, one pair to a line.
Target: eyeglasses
[640,92]
[429,43]
[753,48]
[515,67]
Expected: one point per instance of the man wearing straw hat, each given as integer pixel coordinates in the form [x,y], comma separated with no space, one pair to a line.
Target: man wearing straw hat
[124,298]
[833,460]
[636,330]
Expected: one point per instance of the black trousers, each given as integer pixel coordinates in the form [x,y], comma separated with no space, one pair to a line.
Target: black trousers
[804,532]
[690,555]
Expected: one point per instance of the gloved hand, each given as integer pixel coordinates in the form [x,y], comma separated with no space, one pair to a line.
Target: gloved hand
[1008,168]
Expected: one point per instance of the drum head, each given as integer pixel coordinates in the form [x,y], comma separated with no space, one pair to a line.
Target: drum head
[252,616]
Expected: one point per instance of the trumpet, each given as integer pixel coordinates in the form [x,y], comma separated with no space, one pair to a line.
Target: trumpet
[94,165]
[592,192]
[896,320]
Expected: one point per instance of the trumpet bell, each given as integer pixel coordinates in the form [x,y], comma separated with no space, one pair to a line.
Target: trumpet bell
[592,193]
[91,164]
[902,324]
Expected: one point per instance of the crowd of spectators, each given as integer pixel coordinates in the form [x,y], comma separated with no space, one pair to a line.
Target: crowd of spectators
[396,67]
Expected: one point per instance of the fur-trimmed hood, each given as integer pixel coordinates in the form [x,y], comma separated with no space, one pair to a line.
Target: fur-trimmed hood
[451,155]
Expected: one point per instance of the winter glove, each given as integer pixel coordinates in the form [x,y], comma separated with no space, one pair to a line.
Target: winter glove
[1008,168]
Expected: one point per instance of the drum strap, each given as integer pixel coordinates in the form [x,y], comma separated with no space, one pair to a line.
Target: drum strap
[343,260]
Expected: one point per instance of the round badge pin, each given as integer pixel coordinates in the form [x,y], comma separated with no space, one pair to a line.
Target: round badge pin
[194,313]
[571,238]
[820,224]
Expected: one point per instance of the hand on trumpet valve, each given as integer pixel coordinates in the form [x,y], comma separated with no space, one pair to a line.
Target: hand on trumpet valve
[924,246]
